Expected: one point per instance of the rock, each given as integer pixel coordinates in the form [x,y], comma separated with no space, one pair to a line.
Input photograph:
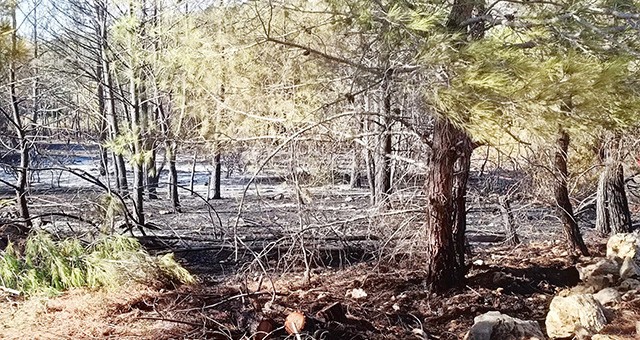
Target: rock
[630,295]
[577,290]
[356,293]
[497,326]
[629,284]
[629,268]
[601,274]
[567,314]
[608,296]
[622,246]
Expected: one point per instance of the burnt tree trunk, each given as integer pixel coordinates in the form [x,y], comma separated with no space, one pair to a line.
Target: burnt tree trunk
[170,149]
[370,162]
[23,171]
[461,170]
[103,134]
[354,178]
[173,176]
[511,238]
[565,209]
[153,173]
[111,114]
[192,177]
[612,208]
[446,184]
[217,171]
[383,152]
[442,207]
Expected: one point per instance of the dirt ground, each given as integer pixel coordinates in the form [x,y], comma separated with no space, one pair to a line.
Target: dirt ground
[520,282]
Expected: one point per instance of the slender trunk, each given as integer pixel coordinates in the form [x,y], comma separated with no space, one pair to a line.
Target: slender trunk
[121,169]
[102,137]
[565,209]
[111,113]
[508,221]
[153,174]
[217,176]
[147,144]
[354,179]
[370,161]
[173,176]
[36,55]
[170,149]
[383,152]
[137,108]
[22,171]
[193,172]
[461,170]
[138,166]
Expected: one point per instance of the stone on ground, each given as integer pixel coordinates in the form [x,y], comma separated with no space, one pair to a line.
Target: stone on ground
[497,326]
[608,296]
[568,314]
[629,268]
[601,274]
[622,246]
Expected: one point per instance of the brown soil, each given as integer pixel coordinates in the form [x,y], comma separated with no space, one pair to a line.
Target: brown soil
[520,282]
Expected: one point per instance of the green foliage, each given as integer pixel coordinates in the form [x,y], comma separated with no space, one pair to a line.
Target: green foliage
[112,208]
[495,89]
[49,266]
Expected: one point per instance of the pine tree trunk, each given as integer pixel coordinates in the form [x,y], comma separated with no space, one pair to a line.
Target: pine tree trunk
[111,114]
[508,221]
[23,170]
[462,169]
[103,133]
[173,177]
[170,149]
[193,172]
[354,178]
[153,175]
[443,269]
[565,209]
[217,172]
[383,152]
[446,184]
[612,208]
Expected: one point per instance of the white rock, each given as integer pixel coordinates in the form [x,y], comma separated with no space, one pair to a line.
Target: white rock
[497,326]
[629,268]
[567,314]
[600,274]
[621,246]
[357,293]
[608,296]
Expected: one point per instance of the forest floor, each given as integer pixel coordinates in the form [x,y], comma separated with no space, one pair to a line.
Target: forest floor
[365,265]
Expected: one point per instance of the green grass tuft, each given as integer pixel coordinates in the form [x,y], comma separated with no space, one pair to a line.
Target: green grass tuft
[50,267]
